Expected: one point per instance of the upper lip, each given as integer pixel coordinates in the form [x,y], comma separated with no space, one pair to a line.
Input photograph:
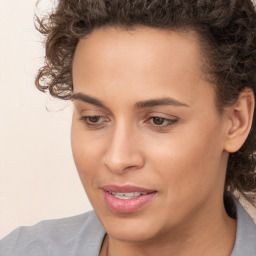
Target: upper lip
[126,189]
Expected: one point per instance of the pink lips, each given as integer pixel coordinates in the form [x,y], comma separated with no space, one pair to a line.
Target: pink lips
[126,205]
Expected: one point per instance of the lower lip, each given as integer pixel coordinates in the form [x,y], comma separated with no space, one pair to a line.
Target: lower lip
[127,205]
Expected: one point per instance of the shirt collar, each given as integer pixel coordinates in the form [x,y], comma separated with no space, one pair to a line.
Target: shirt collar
[245,243]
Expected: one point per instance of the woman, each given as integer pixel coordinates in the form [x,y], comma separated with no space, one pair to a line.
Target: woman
[163,130]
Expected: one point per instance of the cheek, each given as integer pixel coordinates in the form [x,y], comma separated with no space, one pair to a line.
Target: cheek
[86,153]
[188,162]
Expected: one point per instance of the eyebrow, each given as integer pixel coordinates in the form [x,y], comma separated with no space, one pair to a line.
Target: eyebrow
[160,102]
[139,105]
[87,99]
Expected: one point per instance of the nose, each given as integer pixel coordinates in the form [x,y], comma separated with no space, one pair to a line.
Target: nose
[124,151]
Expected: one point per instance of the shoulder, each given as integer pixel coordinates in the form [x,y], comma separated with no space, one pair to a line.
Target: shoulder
[67,236]
[246,234]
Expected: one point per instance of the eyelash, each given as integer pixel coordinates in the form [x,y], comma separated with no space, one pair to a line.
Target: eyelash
[167,122]
[85,119]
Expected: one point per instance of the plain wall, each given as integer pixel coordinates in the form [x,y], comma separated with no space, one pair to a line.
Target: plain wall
[38,178]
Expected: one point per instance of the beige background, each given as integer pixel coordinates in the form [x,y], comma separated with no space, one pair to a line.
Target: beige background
[38,179]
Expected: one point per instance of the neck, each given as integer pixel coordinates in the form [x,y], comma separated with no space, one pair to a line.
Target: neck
[211,236]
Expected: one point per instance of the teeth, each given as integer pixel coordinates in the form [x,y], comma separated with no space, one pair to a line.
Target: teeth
[126,195]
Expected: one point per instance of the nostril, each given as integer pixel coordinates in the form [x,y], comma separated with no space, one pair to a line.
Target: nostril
[130,167]
[118,165]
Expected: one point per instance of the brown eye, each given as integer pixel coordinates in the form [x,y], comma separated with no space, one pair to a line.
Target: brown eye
[161,122]
[95,122]
[94,119]
[158,120]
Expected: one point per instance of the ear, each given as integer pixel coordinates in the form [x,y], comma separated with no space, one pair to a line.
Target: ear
[240,116]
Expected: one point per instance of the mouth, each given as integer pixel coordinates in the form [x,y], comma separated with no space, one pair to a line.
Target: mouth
[127,199]
[126,196]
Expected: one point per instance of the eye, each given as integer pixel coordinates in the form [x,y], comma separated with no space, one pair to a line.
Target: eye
[161,121]
[158,120]
[94,121]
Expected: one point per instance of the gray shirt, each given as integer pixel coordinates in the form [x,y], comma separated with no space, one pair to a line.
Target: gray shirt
[82,235]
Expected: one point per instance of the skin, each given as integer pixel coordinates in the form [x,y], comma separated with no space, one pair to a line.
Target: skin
[184,160]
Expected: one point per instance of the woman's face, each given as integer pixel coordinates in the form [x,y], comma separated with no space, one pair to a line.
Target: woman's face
[145,121]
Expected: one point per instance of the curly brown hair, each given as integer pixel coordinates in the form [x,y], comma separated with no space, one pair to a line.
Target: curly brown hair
[227,32]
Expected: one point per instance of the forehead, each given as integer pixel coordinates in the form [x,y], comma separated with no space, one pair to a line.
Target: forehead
[142,47]
[156,62]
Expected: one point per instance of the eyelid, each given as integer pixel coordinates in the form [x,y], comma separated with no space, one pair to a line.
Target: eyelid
[86,113]
[169,120]
[91,111]
[85,120]
[83,107]
[161,115]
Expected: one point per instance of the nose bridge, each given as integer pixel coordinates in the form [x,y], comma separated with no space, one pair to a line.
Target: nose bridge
[123,152]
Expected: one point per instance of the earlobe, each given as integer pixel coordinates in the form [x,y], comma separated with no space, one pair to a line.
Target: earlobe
[240,116]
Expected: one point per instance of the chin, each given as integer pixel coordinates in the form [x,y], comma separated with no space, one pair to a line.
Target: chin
[130,228]
[130,235]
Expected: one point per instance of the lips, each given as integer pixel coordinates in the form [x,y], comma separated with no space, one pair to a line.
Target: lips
[127,199]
